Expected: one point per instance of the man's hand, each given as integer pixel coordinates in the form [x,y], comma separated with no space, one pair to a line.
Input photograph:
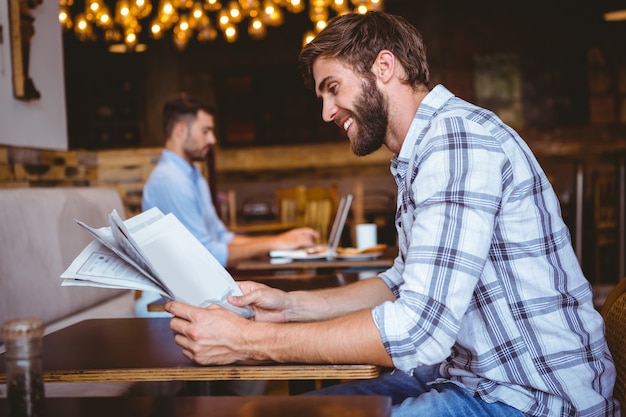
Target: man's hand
[301,237]
[208,335]
[211,335]
[269,304]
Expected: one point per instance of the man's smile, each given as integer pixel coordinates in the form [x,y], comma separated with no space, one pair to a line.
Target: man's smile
[347,123]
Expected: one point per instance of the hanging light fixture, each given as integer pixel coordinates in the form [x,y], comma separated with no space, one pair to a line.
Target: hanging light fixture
[615,15]
[199,19]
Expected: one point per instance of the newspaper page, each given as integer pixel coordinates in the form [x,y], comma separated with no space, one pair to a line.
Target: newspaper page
[185,266]
[122,234]
[105,236]
[98,265]
[163,254]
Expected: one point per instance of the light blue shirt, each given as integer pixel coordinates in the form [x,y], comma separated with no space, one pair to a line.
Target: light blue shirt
[488,284]
[177,187]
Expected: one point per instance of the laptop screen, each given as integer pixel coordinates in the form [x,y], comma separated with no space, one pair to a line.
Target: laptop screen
[334,237]
[338,224]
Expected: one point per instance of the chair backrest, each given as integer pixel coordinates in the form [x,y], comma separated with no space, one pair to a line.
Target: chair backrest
[605,192]
[291,204]
[614,314]
[309,206]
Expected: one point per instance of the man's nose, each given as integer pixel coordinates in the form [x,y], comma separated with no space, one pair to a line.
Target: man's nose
[329,111]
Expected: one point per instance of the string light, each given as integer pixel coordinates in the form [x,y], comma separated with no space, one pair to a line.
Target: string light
[199,19]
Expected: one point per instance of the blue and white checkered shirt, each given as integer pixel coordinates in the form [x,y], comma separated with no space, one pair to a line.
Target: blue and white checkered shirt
[487,281]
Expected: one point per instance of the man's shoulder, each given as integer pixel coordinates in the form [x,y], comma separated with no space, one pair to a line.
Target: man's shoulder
[167,178]
[166,170]
[460,116]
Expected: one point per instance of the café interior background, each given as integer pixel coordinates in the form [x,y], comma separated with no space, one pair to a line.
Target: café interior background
[538,64]
[555,71]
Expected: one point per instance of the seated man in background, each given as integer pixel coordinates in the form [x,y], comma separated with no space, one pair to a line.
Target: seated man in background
[177,186]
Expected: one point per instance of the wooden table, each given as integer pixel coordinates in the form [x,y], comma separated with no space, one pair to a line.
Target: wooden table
[143,349]
[265,406]
[263,264]
[260,228]
[299,280]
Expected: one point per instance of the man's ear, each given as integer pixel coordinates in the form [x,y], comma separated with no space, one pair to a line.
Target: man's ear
[180,130]
[384,65]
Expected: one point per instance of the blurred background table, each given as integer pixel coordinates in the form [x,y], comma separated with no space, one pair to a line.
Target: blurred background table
[260,228]
[265,263]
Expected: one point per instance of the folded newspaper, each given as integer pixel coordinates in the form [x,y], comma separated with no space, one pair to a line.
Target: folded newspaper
[153,252]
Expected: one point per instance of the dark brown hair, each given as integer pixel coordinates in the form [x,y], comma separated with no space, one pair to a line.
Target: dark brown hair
[356,39]
[180,107]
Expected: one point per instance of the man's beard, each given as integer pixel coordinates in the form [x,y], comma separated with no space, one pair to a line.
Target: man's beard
[196,157]
[371,118]
[193,153]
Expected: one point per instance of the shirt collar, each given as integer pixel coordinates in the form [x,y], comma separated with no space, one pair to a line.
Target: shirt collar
[189,169]
[430,105]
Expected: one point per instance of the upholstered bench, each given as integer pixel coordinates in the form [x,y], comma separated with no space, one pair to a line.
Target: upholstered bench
[39,240]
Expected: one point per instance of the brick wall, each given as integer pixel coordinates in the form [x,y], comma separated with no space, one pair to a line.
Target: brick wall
[125,171]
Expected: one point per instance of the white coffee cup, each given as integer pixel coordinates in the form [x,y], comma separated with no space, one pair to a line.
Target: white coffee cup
[366,235]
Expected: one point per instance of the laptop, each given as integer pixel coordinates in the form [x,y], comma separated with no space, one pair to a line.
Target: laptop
[329,250]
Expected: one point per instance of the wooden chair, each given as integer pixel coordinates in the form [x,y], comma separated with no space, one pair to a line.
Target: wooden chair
[605,211]
[291,204]
[313,207]
[614,314]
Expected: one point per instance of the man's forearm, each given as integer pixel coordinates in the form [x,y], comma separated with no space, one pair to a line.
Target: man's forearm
[334,302]
[353,338]
[243,247]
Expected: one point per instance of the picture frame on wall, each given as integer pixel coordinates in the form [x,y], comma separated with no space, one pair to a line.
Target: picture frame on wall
[22,28]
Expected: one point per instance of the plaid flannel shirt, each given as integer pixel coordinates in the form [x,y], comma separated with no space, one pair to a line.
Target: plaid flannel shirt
[487,281]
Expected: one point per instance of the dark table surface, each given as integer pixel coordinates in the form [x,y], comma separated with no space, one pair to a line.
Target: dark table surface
[143,349]
[263,263]
[262,406]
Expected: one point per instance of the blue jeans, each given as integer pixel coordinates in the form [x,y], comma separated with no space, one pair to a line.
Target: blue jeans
[412,396]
